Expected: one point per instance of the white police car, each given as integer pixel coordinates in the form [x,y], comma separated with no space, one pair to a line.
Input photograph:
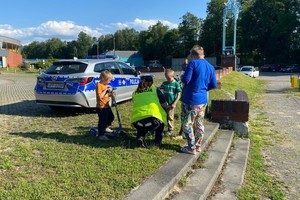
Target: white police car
[72,83]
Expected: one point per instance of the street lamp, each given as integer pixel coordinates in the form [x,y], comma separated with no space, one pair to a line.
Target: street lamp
[114,40]
[97,45]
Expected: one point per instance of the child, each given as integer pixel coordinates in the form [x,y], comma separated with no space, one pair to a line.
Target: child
[172,92]
[105,114]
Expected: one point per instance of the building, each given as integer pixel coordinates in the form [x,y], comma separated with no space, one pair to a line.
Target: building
[10,52]
[133,58]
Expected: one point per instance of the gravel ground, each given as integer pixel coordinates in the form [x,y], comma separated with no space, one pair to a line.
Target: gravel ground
[283,110]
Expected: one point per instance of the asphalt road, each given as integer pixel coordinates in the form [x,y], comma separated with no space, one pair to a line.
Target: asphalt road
[283,110]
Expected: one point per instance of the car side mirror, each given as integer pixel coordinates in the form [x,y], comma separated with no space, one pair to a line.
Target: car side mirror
[137,73]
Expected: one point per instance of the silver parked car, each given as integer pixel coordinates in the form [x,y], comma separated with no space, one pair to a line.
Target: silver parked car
[72,83]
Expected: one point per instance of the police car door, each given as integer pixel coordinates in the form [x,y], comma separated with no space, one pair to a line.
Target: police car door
[131,80]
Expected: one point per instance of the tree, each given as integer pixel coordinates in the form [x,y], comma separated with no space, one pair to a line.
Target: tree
[211,37]
[151,42]
[172,44]
[54,48]
[267,29]
[83,44]
[126,39]
[189,30]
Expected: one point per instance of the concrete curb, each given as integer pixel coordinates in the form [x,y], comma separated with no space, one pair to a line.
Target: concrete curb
[161,183]
[234,172]
[203,180]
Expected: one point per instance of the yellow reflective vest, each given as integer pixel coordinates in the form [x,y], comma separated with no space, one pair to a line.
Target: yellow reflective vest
[146,104]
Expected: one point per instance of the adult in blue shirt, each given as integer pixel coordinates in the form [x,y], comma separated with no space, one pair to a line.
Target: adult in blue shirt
[199,77]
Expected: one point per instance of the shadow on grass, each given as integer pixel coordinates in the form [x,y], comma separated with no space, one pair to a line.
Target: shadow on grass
[29,108]
[89,140]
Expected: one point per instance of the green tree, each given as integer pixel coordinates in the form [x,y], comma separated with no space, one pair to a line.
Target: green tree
[211,37]
[267,29]
[54,48]
[35,50]
[151,42]
[126,39]
[83,44]
[172,45]
[189,30]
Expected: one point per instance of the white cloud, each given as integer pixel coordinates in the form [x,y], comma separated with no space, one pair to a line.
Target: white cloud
[142,24]
[68,30]
[65,30]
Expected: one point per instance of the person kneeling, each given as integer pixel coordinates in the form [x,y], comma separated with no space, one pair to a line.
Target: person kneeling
[149,111]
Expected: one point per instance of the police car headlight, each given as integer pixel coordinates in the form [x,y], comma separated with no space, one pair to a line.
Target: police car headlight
[40,81]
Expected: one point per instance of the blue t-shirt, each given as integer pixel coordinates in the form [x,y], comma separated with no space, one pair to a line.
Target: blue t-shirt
[199,77]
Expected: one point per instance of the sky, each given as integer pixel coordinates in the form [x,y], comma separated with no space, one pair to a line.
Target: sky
[40,20]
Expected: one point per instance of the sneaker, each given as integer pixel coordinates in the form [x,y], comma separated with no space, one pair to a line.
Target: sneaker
[108,130]
[103,137]
[198,148]
[188,150]
[178,137]
[169,133]
[141,142]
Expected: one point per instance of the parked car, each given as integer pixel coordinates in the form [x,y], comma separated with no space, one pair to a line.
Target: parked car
[72,83]
[266,68]
[271,67]
[250,71]
[291,68]
[154,63]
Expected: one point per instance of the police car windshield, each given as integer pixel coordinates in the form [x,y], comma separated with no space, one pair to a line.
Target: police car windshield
[66,68]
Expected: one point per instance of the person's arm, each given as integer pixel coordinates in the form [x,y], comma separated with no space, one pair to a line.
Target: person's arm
[176,100]
[101,91]
[162,99]
[178,90]
[187,76]
[161,87]
[213,81]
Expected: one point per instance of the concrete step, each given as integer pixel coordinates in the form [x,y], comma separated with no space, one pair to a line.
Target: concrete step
[234,172]
[161,183]
[202,180]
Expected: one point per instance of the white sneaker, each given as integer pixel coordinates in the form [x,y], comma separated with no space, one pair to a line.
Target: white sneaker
[108,130]
[169,133]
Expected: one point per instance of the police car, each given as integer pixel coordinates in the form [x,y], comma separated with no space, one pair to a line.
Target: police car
[72,83]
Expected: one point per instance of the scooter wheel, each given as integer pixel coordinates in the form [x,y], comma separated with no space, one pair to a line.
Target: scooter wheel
[93,131]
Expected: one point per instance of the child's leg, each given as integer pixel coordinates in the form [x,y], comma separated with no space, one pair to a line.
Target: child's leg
[102,121]
[110,116]
[171,119]
[199,124]
[187,121]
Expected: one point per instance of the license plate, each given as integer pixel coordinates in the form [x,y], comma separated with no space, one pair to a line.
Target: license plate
[55,85]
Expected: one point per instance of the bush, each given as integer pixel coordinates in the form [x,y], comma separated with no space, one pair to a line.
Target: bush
[24,66]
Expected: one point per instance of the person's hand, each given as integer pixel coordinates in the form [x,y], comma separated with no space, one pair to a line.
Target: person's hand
[172,105]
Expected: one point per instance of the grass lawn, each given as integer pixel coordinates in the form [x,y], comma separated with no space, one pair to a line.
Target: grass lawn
[51,156]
